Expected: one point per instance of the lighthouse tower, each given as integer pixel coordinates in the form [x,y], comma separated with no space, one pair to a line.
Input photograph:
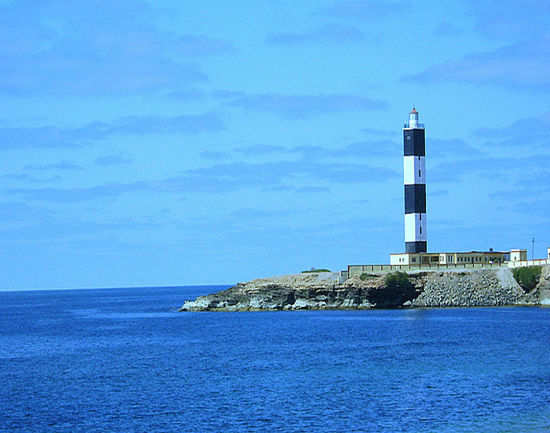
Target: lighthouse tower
[415,185]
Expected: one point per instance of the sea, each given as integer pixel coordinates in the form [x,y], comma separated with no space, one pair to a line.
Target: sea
[124,360]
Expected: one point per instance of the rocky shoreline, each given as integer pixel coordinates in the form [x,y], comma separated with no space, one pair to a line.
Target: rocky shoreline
[322,291]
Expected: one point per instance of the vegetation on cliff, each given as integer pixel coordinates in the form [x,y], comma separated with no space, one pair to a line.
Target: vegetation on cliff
[527,277]
[314,270]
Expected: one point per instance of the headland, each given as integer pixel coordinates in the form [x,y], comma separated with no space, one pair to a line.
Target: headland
[418,289]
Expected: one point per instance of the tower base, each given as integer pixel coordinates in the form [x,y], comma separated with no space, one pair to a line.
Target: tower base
[416,247]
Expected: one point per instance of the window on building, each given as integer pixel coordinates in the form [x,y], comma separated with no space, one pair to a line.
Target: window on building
[420,229]
[419,173]
[414,259]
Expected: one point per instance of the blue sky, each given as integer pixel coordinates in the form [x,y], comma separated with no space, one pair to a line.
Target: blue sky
[169,142]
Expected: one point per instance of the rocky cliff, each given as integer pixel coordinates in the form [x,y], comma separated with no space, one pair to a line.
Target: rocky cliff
[543,288]
[322,291]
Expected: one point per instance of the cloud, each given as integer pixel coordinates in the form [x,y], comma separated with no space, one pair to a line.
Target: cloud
[261,149]
[313,189]
[62,165]
[326,34]
[502,167]
[108,160]
[16,213]
[252,214]
[186,94]
[450,147]
[524,65]
[189,124]
[363,10]
[239,175]
[71,195]
[201,45]
[25,177]
[527,137]
[531,131]
[62,47]
[447,28]
[51,136]
[213,155]
[503,19]
[359,149]
[303,106]
[382,132]
[372,148]
[222,178]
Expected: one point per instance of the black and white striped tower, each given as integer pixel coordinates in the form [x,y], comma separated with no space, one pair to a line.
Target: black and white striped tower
[415,185]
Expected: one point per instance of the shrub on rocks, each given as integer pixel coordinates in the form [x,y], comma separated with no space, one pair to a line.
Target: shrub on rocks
[397,290]
[398,280]
[527,277]
[365,276]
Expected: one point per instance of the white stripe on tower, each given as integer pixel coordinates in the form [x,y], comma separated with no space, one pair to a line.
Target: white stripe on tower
[414,170]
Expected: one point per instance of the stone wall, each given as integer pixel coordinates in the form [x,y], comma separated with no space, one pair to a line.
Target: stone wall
[479,288]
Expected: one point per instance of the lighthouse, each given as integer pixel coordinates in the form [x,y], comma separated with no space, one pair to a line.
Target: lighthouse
[414,165]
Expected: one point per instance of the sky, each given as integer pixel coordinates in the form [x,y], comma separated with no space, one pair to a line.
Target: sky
[150,143]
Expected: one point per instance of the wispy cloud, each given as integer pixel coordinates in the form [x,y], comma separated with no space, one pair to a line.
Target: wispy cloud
[524,65]
[201,45]
[381,132]
[451,148]
[313,189]
[225,177]
[214,155]
[363,10]
[505,19]
[303,106]
[525,137]
[326,34]
[51,136]
[60,166]
[502,167]
[261,149]
[108,160]
[86,48]
[447,28]
[534,131]
[78,194]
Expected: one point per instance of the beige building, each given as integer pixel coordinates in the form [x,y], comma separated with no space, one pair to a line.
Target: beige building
[456,258]
[518,255]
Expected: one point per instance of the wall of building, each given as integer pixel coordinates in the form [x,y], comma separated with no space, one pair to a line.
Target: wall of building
[357,270]
[516,255]
[523,263]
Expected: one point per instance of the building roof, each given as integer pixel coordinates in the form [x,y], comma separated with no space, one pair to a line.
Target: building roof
[455,252]
[414,110]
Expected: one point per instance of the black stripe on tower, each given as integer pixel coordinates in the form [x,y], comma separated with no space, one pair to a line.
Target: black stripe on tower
[415,198]
[416,247]
[415,142]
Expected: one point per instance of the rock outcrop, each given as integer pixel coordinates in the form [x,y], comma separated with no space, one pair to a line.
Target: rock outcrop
[472,289]
[543,287]
[322,291]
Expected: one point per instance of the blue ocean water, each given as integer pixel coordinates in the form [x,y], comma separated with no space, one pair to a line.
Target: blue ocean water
[122,360]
